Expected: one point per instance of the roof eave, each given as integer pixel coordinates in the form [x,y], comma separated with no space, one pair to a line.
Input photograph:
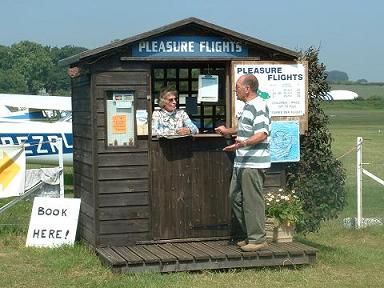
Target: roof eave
[167,28]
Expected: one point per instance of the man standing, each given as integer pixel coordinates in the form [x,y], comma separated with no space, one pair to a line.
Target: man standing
[252,157]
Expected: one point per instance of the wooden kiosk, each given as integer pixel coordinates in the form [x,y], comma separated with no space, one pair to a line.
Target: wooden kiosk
[161,204]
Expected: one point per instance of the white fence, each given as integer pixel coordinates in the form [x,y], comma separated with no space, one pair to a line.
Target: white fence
[359,181]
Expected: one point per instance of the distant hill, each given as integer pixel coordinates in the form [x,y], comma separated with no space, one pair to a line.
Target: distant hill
[336,76]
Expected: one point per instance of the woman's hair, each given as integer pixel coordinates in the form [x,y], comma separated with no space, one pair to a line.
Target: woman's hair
[163,94]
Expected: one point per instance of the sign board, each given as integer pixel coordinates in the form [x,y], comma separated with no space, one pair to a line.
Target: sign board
[12,170]
[283,84]
[189,46]
[53,222]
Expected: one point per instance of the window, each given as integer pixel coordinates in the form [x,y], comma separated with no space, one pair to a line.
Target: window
[120,118]
[205,115]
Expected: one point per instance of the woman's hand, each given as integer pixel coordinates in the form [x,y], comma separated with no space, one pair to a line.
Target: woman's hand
[183,131]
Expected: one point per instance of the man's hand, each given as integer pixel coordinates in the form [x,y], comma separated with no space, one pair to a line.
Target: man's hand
[238,144]
[230,148]
[221,130]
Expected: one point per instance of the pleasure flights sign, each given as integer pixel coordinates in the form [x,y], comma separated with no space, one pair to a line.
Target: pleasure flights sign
[282,84]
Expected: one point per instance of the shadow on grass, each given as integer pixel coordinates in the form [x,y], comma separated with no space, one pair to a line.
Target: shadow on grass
[321,247]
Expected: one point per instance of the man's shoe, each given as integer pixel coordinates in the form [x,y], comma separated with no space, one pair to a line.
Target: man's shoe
[241,243]
[254,247]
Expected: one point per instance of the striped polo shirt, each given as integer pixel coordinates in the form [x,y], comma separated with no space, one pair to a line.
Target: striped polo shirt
[254,118]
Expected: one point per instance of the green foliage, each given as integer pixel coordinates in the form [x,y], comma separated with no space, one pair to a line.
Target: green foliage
[12,81]
[27,68]
[284,206]
[319,177]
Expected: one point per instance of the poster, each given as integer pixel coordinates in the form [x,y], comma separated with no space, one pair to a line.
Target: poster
[208,88]
[285,141]
[121,119]
[283,85]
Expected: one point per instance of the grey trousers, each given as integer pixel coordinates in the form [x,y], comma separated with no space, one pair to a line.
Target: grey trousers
[247,198]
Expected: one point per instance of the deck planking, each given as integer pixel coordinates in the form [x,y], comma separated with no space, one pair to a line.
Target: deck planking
[202,255]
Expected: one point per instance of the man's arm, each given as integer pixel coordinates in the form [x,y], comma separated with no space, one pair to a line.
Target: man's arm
[226,131]
[254,139]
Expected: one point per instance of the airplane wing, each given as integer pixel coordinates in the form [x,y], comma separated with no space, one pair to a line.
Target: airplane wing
[37,101]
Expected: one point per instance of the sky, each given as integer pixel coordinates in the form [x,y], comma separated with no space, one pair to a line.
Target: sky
[348,33]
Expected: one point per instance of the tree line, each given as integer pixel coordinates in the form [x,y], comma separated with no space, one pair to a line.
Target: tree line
[31,68]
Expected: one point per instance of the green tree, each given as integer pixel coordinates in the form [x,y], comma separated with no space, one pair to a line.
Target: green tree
[12,82]
[5,62]
[34,62]
[58,82]
[28,67]
[319,177]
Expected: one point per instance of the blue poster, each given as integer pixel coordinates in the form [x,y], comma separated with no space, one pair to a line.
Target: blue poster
[285,141]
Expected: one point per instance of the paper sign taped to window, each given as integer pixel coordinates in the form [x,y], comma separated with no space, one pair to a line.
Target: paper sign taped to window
[119,124]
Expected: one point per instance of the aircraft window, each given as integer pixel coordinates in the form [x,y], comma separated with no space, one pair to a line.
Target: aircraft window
[66,116]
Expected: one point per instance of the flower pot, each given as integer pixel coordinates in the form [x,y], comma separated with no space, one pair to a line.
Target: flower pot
[283,233]
[269,229]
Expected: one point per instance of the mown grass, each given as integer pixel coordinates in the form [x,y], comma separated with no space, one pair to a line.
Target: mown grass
[346,258]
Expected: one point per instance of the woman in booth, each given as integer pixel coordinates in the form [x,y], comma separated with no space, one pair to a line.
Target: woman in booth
[169,120]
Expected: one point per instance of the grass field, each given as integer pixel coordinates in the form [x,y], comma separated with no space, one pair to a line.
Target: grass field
[364,91]
[346,258]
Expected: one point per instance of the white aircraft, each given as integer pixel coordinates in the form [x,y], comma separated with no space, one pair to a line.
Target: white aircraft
[38,135]
[340,95]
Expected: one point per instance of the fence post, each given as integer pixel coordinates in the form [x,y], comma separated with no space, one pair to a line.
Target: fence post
[359,161]
[61,165]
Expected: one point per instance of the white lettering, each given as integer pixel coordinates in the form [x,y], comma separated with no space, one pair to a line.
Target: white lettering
[184,47]
[141,46]
[169,46]
[202,46]
[176,46]
[52,139]
[218,47]
[226,46]
[40,140]
[147,49]
[161,47]
[6,141]
[191,47]
[154,46]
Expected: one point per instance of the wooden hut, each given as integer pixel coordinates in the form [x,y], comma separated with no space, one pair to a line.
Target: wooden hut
[136,188]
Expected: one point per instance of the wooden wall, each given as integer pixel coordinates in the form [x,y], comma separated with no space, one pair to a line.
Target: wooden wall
[83,157]
[122,176]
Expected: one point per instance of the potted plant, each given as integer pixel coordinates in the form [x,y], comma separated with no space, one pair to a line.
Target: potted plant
[285,209]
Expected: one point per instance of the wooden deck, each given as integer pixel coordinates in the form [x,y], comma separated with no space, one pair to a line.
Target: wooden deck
[192,256]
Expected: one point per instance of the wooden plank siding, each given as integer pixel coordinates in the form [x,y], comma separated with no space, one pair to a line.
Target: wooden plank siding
[122,172]
[82,156]
[190,180]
